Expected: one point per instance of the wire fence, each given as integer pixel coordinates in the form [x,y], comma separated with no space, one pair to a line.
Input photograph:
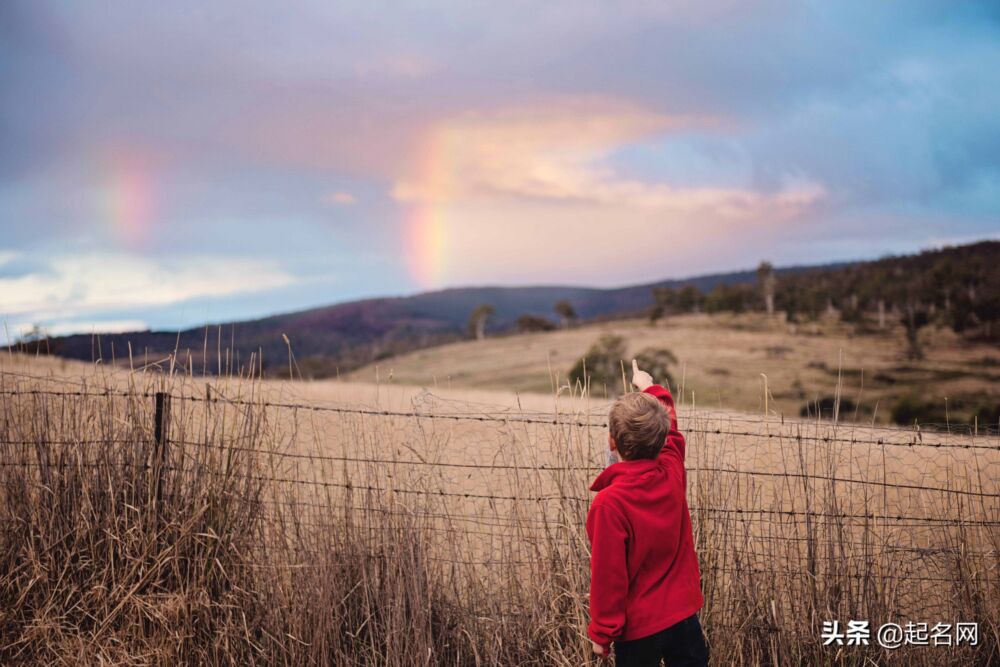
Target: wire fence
[842,501]
[786,432]
[791,429]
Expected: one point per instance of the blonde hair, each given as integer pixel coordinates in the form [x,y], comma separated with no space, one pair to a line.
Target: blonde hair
[639,425]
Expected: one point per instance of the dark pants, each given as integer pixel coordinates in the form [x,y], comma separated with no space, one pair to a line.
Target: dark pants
[680,645]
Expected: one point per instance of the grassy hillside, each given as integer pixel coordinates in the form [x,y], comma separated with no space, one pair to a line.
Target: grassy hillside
[956,288]
[348,335]
[721,359]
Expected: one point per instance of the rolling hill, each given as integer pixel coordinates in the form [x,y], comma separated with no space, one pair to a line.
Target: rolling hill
[958,286]
[723,362]
[332,338]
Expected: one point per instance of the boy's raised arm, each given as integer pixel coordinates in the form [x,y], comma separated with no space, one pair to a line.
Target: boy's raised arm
[643,381]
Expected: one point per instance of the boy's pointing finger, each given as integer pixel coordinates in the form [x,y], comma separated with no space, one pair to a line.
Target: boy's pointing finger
[635,366]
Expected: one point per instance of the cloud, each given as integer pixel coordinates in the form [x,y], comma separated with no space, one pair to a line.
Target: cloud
[557,150]
[7,260]
[79,286]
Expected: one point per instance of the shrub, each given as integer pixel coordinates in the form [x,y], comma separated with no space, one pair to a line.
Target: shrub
[988,416]
[531,323]
[912,409]
[602,365]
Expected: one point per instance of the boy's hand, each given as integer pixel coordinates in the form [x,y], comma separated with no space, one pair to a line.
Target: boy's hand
[641,379]
[599,650]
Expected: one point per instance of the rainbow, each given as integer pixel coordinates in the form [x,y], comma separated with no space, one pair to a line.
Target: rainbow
[127,201]
[426,245]
[427,223]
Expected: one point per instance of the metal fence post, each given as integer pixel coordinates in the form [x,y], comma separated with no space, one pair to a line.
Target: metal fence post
[161,427]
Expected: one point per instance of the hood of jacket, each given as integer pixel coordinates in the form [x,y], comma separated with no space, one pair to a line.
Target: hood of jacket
[623,469]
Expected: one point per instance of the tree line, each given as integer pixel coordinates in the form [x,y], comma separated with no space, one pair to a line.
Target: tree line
[526,323]
[957,287]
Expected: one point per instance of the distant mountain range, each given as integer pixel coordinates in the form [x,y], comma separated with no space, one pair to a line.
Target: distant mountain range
[346,335]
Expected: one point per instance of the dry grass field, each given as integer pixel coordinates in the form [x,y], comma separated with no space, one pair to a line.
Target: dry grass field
[720,362]
[342,522]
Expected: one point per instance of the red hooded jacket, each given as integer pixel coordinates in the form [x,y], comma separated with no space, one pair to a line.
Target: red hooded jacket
[643,566]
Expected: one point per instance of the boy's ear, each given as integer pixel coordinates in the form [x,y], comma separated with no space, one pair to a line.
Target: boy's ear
[612,445]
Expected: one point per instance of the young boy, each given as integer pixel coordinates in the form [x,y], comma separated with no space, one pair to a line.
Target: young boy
[645,589]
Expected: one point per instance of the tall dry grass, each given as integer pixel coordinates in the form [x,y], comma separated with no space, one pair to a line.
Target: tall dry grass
[283,535]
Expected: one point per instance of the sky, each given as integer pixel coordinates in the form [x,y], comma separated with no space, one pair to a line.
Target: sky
[168,164]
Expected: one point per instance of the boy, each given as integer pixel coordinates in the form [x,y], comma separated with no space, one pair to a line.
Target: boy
[645,590]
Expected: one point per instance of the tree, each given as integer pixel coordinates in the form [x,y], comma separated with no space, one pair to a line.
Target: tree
[973,305]
[718,299]
[914,318]
[478,319]
[33,335]
[849,311]
[987,312]
[567,315]
[766,281]
[528,323]
[733,298]
[664,300]
[963,314]
[656,312]
[800,299]
[913,409]
[36,341]
[689,299]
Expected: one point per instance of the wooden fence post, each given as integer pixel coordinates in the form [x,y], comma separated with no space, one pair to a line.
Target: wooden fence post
[161,426]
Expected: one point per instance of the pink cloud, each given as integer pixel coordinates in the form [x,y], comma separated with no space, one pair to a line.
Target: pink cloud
[556,151]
